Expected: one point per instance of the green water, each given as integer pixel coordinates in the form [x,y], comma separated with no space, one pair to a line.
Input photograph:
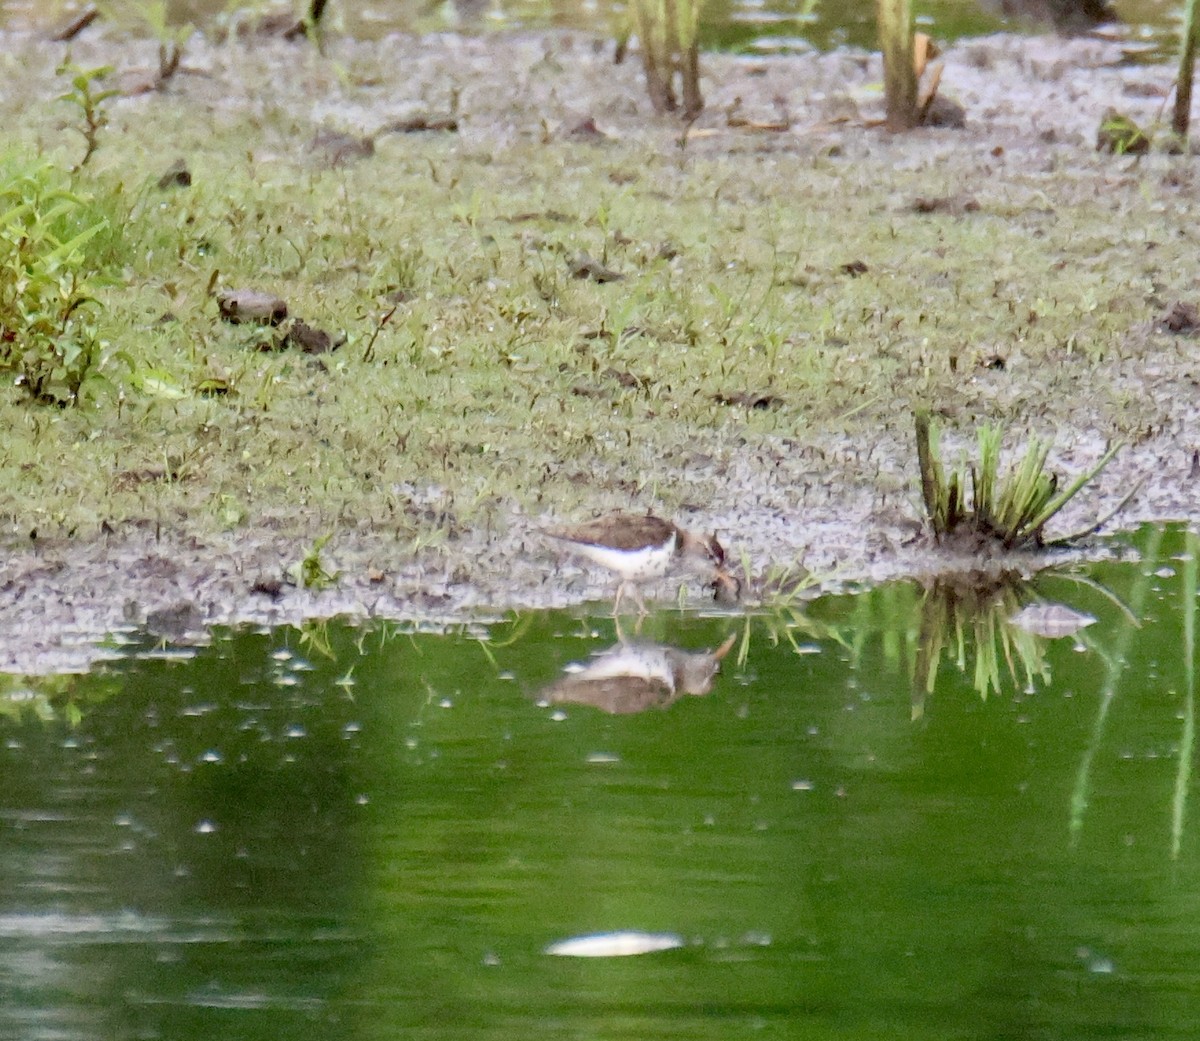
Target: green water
[763,26]
[375,833]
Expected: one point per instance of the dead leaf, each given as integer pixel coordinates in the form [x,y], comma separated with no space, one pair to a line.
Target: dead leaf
[554,216]
[1180,318]
[268,586]
[177,176]
[929,91]
[584,266]
[748,399]
[626,379]
[339,148]
[951,204]
[586,130]
[422,124]
[924,51]
[310,340]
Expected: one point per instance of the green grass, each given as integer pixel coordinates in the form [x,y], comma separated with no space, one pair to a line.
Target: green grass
[501,380]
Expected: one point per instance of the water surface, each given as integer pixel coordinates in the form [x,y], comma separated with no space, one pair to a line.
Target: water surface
[366,833]
[757,26]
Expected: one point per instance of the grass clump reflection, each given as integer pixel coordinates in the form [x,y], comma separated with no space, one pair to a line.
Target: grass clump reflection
[971,617]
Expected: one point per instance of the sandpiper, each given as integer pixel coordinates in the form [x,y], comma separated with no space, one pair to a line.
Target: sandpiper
[632,677]
[638,547]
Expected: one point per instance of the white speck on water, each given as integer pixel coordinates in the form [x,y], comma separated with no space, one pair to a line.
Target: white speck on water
[813,731]
[351,728]
[1165,572]
[603,757]
[362,799]
[445,703]
[558,716]
[802,786]
[506,675]
[285,681]
[614,945]
[205,827]
[491,959]
[296,730]
[211,756]
[1052,621]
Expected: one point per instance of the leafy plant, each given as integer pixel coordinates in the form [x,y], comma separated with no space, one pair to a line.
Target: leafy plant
[48,262]
[1012,510]
[309,572]
[85,96]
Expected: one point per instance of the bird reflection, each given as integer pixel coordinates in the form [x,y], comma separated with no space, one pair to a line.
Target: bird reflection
[636,676]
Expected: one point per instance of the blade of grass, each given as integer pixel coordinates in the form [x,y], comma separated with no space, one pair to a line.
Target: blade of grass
[1187,741]
[1116,661]
[1068,493]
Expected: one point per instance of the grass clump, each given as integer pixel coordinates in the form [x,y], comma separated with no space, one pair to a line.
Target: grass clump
[1011,509]
[668,31]
[48,265]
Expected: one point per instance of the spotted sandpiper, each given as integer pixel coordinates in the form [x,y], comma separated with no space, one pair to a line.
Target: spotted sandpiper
[632,677]
[638,547]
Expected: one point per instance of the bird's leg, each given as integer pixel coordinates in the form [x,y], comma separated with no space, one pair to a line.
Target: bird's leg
[617,600]
[641,602]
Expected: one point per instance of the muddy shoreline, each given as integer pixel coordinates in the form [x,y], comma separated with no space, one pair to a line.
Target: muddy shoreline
[844,502]
[60,598]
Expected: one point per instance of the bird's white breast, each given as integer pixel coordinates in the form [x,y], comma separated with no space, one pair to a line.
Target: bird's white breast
[632,564]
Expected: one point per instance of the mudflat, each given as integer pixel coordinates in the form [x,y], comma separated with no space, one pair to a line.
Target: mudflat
[540,302]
